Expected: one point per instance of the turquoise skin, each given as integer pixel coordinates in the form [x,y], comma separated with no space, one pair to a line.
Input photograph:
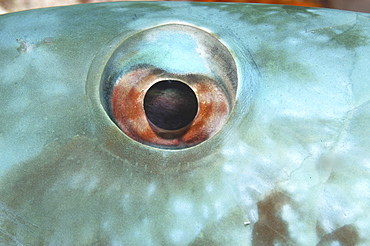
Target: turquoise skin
[290,166]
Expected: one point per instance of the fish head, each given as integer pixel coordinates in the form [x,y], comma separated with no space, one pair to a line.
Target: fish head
[184,124]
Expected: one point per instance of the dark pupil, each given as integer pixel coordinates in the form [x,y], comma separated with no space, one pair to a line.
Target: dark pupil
[170,105]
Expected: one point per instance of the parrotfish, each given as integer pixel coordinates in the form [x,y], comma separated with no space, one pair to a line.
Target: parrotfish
[184,124]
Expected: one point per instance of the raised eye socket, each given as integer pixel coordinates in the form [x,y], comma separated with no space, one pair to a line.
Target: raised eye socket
[172,86]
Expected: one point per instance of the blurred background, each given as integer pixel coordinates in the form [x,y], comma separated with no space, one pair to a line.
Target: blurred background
[354,5]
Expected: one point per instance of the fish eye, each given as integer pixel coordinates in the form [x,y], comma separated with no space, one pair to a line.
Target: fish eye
[171,86]
[170,105]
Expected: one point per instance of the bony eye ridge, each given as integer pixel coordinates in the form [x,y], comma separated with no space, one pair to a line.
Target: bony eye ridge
[161,103]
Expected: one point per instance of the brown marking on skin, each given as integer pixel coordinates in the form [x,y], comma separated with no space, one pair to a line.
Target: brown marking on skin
[320,232]
[270,227]
[346,235]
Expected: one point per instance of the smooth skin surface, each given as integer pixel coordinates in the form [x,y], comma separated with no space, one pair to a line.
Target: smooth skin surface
[290,166]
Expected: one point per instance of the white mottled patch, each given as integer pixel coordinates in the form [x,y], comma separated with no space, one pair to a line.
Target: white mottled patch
[117,242]
[205,211]
[182,206]
[344,147]
[209,187]
[335,243]
[296,225]
[295,156]
[106,224]
[151,189]
[177,235]
[84,181]
[363,226]
[126,201]
[362,189]
[54,89]
[366,163]
[219,208]
[294,113]
[229,168]
[322,38]
[293,41]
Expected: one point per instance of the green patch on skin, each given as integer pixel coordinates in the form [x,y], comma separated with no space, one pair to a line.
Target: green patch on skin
[152,6]
[301,11]
[130,6]
[277,61]
[263,13]
[349,37]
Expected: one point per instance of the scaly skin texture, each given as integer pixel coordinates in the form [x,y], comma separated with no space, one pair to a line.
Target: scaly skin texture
[290,166]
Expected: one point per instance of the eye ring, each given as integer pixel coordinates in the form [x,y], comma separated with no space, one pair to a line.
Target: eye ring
[112,62]
[171,52]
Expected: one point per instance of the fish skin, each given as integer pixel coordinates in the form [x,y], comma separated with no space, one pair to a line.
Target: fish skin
[292,162]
